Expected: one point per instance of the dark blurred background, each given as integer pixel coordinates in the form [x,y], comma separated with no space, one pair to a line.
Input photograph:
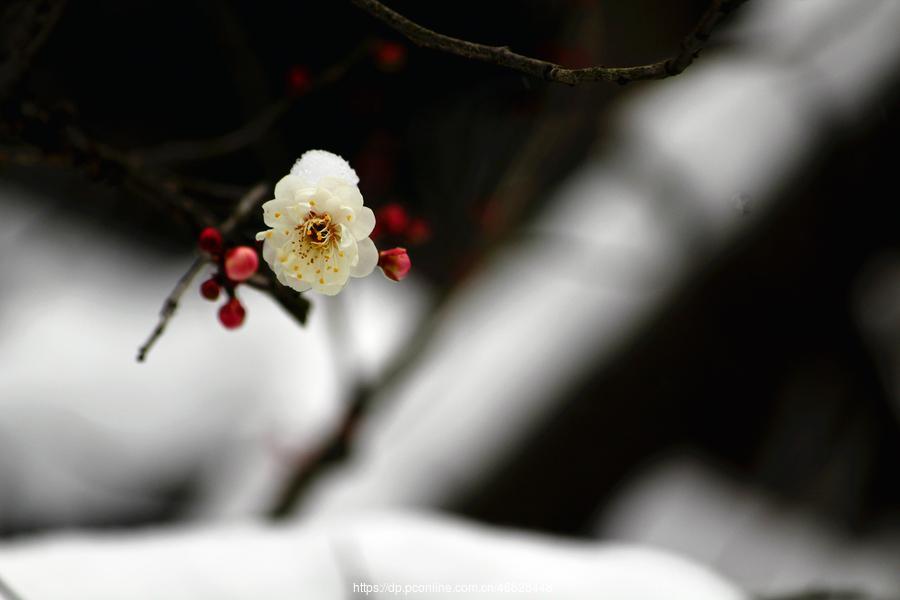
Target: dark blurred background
[759,367]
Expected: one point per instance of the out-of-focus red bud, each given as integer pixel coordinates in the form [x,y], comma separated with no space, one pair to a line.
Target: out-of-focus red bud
[393,218]
[241,263]
[210,240]
[297,80]
[210,289]
[418,232]
[232,314]
[394,263]
[390,56]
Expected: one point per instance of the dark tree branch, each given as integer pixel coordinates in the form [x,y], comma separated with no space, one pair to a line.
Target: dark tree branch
[230,142]
[186,150]
[24,27]
[171,304]
[74,146]
[503,56]
[243,208]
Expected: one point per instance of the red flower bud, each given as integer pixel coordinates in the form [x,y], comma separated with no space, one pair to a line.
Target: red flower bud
[390,56]
[394,263]
[393,219]
[298,79]
[210,289]
[232,314]
[241,263]
[210,240]
[418,232]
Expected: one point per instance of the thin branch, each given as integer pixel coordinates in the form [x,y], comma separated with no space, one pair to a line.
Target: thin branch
[503,56]
[224,144]
[243,208]
[215,191]
[245,205]
[171,304]
[185,150]
[24,27]
[83,151]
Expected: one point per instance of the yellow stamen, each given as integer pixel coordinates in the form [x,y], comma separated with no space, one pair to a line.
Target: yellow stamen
[277,215]
[321,281]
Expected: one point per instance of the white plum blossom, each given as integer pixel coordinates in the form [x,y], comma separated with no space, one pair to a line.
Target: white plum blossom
[319,234]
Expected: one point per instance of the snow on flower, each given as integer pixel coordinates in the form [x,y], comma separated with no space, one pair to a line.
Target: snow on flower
[319,234]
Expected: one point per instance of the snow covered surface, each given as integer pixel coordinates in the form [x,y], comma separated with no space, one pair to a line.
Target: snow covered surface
[685,506]
[324,560]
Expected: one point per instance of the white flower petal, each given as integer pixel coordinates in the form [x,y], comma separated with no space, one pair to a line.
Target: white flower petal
[348,251]
[330,289]
[299,285]
[287,188]
[280,276]
[368,258]
[350,195]
[274,241]
[318,164]
[363,223]
[274,210]
[319,238]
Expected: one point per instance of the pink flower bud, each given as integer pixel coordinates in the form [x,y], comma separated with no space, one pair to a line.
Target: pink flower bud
[241,263]
[394,263]
[232,314]
[210,240]
[210,289]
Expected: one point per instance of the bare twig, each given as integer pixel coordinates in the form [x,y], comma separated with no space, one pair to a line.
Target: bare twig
[171,304]
[501,55]
[217,146]
[82,150]
[242,137]
[243,208]
[24,27]
[220,193]
[245,205]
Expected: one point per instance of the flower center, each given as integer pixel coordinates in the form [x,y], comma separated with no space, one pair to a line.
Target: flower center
[319,231]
